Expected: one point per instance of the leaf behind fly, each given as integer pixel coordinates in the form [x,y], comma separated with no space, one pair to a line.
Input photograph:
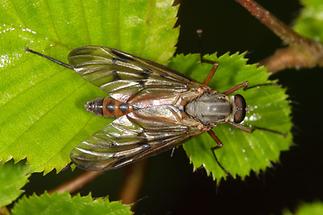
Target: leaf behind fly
[41,104]
[268,107]
[12,178]
[63,203]
[308,208]
[310,22]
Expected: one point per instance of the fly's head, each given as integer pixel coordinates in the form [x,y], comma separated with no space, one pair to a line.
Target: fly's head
[239,109]
[95,106]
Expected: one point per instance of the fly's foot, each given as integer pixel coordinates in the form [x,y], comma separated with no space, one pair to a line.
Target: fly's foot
[203,128]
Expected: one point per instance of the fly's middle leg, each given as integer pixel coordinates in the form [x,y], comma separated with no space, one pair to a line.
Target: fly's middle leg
[215,138]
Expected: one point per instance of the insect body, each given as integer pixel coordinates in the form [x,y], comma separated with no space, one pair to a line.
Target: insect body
[108,107]
[155,108]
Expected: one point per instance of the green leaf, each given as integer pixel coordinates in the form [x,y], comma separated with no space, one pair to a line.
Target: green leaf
[41,104]
[310,23]
[63,203]
[12,178]
[315,208]
[268,108]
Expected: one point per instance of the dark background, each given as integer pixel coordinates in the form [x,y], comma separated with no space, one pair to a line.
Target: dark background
[170,187]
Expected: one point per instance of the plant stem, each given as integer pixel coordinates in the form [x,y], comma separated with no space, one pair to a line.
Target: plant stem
[4,211]
[133,182]
[284,32]
[300,53]
[77,183]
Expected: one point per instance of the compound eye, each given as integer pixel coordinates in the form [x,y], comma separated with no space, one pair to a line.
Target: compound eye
[239,116]
[240,108]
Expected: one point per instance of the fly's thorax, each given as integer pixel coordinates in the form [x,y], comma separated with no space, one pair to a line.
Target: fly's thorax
[210,108]
[213,108]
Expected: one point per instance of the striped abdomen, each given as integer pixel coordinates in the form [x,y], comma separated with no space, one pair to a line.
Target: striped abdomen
[108,107]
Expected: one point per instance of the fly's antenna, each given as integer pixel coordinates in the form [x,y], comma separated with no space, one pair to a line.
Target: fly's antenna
[50,58]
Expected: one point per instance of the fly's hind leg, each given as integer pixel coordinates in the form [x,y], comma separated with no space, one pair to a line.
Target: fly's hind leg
[172,152]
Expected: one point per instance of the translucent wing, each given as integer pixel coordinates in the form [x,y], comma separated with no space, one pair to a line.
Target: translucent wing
[130,138]
[150,128]
[122,75]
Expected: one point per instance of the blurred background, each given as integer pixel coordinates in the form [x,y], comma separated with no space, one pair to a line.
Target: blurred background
[170,186]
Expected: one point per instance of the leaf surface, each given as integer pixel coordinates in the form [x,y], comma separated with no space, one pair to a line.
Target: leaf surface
[63,203]
[314,208]
[12,178]
[310,23]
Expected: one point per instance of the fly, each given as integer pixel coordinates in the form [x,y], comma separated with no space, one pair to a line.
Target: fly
[155,109]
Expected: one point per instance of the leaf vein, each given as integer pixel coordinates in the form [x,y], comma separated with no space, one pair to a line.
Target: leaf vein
[52,21]
[85,21]
[24,92]
[42,116]
[70,140]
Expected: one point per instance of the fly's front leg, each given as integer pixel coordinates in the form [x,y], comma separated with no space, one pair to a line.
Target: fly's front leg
[241,127]
[243,85]
[246,86]
[261,85]
[252,129]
